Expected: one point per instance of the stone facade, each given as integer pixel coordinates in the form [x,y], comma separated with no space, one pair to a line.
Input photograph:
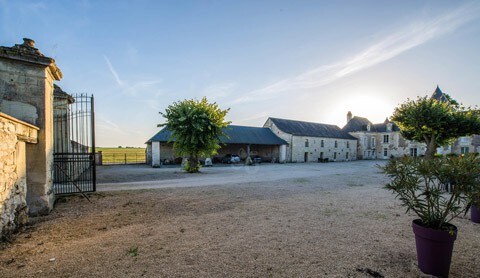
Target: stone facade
[312,148]
[14,136]
[383,145]
[26,92]
[463,145]
[382,140]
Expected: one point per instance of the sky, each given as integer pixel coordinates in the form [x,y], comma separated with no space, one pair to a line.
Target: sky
[302,60]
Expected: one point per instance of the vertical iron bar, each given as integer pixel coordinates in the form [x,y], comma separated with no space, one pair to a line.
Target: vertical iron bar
[94,172]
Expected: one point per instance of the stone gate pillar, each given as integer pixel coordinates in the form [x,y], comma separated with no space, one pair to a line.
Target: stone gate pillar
[26,92]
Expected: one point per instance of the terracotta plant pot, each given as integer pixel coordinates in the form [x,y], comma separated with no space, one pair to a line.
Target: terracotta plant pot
[434,248]
[475,214]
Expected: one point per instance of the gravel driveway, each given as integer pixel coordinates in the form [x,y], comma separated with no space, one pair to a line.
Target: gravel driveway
[294,220]
[145,177]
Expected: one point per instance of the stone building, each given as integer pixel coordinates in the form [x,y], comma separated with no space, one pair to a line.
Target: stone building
[26,101]
[380,141]
[243,141]
[463,145]
[313,142]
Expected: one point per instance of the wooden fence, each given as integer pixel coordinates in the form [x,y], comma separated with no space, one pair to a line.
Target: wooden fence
[120,158]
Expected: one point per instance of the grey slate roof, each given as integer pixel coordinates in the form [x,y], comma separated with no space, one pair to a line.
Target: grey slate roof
[439,95]
[236,135]
[358,124]
[301,128]
[383,127]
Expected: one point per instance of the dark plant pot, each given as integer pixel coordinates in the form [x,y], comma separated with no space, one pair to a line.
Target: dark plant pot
[475,214]
[434,248]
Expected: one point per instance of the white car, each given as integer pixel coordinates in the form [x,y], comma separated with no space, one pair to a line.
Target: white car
[231,158]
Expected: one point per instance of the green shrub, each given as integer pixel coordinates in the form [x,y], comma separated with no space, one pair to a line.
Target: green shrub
[437,190]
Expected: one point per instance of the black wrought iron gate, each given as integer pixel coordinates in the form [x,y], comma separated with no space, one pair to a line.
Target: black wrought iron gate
[74,144]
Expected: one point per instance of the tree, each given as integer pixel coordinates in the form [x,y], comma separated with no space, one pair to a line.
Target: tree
[435,122]
[196,127]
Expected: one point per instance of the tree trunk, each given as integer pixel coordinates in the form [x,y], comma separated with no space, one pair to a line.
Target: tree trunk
[193,164]
[431,149]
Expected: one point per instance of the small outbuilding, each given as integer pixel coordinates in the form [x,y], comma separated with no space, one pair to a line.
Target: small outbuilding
[243,141]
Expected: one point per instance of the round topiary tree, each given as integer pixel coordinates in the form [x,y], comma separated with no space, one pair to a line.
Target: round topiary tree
[196,127]
[435,122]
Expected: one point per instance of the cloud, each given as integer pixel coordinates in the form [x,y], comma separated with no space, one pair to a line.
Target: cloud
[133,88]
[107,125]
[113,71]
[220,90]
[416,34]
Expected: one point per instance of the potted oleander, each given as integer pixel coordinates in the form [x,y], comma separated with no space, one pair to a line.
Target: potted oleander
[437,190]
[474,205]
[475,211]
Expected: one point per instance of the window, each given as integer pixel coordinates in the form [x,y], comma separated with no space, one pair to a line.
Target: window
[413,152]
[385,152]
[336,144]
[306,143]
[334,155]
[464,150]
[322,144]
[348,144]
[373,142]
[385,138]
[346,155]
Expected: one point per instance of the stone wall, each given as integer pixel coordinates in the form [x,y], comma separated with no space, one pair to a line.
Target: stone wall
[466,144]
[396,146]
[14,134]
[299,151]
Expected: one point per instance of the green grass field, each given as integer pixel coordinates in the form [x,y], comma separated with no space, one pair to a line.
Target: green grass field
[122,155]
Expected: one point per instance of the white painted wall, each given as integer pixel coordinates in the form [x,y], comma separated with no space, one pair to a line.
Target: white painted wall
[283,154]
[156,154]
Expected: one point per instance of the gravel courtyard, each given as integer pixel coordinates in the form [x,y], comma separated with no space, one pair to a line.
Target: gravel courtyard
[293,220]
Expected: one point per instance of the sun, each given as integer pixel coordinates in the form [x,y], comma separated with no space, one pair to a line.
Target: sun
[371,106]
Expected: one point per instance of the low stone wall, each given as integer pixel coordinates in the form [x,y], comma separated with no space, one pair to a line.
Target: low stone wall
[14,134]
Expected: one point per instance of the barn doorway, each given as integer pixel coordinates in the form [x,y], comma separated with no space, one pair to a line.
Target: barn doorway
[74,144]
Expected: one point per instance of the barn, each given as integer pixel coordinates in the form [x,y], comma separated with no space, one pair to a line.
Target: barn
[243,141]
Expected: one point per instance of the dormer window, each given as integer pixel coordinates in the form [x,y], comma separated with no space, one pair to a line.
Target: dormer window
[368,127]
[389,127]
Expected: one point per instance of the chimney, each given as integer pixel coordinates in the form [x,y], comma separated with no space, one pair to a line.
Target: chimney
[349,116]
